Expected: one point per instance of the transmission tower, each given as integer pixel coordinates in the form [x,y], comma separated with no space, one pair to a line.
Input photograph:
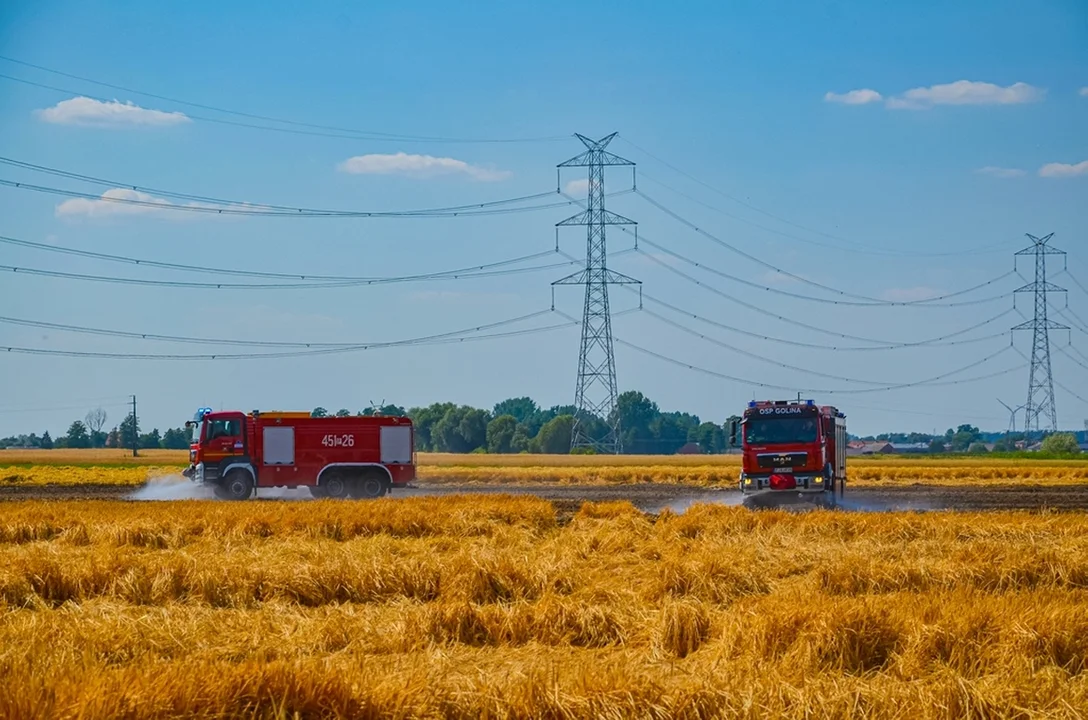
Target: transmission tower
[596,422]
[1040,405]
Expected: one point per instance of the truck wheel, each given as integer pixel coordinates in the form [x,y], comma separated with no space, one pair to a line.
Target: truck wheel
[317,491]
[237,485]
[335,486]
[369,487]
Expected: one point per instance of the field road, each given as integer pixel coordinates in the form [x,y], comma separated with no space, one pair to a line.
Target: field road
[655,497]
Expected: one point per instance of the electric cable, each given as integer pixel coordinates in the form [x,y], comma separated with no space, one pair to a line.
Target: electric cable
[764,358]
[446,275]
[265,207]
[763,263]
[232,341]
[253,273]
[924,303]
[448,338]
[453,337]
[298,128]
[932,342]
[859,247]
[724,376]
[762,311]
[256,211]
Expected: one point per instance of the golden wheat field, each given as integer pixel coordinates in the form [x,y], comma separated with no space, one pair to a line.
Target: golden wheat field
[109,467]
[468,607]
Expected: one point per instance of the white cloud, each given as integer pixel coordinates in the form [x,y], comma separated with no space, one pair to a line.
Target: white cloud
[1060,170]
[95,113]
[112,203]
[122,202]
[966,92]
[911,294]
[419,166]
[1084,92]
[1000,172]
[577,187]
[854,97]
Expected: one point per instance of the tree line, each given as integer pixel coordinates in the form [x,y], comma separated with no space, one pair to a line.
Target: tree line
[520,425]
[90,432]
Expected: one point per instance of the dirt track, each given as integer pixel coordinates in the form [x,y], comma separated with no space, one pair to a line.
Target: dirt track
[656,497]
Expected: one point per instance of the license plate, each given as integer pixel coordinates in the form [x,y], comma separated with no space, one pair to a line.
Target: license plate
[782,470]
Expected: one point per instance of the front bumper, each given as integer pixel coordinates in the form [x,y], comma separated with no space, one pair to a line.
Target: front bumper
[815,484]
[195,473]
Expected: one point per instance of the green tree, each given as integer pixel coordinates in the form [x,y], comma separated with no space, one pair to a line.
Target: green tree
[522,441]
[151,440]
[500,434]
[129,432]
[1059,444]
[554,438]
[46,443]
[343,412]
[669,432]
[636,412]
[175,439]
[521,409]
[424,420]
[77,435]
[937,445]
[710,436]
[964,437]
[461,430]
[978,448]
[319,412]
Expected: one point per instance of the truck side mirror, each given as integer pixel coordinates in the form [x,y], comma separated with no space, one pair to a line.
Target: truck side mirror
[732,433]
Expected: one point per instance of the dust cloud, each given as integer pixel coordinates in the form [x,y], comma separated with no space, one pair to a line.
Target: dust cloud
[172,487]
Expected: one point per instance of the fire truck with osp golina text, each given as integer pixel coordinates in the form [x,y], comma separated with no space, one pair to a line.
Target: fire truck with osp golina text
[792,451]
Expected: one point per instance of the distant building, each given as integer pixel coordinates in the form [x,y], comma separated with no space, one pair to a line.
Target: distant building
[869,448]
[909,448]
[692,448]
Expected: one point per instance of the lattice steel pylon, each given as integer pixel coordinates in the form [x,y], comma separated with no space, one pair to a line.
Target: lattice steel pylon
[596,420]
[1040,402]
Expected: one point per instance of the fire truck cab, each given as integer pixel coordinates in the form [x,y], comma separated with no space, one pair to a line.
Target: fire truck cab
[792,451]
[335,457]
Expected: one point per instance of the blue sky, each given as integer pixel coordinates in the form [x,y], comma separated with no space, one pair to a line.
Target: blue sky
[970,132]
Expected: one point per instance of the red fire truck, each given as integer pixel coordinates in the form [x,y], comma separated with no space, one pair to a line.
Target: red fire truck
[792,451]
[335,457]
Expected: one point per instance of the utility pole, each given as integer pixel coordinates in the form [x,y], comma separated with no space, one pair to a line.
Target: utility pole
[1040,412]
[596,393]
[135,431]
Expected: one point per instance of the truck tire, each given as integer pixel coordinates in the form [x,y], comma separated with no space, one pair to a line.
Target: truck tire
[335,486]
[237,485]
[369,486]
[317,491]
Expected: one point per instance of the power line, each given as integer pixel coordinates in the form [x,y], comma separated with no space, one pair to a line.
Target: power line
[298,128]
[253,273]
[457,336]
[765,312]
[931,382]
[446,275]
[269,207]
[924,303]
[764,358]
[234,341]
[256,211]
[933,342]
[799,278]
[859,247]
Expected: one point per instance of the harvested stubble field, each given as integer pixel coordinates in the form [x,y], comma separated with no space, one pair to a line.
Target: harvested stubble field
[491,606]
[112,467]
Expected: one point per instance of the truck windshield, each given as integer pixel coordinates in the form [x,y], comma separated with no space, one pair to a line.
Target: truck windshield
[197,428]
[765,431]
